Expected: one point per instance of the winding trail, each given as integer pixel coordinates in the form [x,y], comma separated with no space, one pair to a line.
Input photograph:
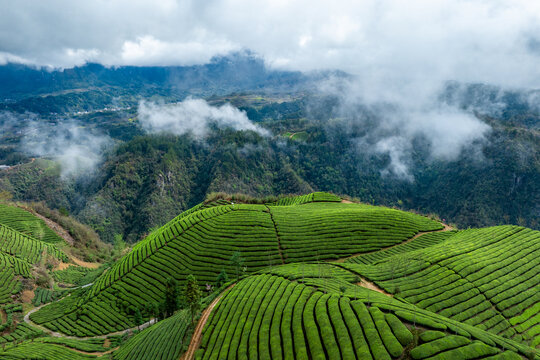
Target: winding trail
[57,334]
[197,334]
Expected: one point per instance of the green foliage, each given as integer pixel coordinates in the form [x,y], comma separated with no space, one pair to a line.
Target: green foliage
[171,294]
[237,262]
[137,317]
[192,294]
[25,247]
[86,242]
[483,277]
[18,332]
[222,279]
[71,275]
[42,351]
[269,316]
[44,296]
[27,223]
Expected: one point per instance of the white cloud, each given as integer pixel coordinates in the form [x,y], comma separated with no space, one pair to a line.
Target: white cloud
[147,50]
[394,120]
[193,116]
[77,149]
[384,41]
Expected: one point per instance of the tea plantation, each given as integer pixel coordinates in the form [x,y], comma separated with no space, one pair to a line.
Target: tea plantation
[308,277]
[202,243]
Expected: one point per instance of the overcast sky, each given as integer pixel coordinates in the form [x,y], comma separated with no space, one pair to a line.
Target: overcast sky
[493,41]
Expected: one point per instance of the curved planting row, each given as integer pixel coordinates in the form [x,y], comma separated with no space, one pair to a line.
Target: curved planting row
[269,317]
[322,231]
[10,268]
[489,278]
[27,223]
[88,345]
[204,241]
[438,345]
[420,242]
[308,198]
[22,331]
[14,243]
[164,340]
[42,351]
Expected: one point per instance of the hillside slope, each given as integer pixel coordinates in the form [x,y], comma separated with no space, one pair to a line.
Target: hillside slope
[202,242]
[318,278]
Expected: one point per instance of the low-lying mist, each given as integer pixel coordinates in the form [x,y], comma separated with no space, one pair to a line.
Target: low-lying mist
[78,149]
[392,118]
[193,116]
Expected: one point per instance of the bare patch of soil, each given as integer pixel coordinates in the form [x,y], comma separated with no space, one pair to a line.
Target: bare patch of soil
[27,296]
[62,266]
[90,265]
[372,286]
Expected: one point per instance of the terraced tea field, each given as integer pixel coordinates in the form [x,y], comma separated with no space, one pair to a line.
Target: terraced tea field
[20,252]
[314,278]
[27,223]
[483,277]
[202,243]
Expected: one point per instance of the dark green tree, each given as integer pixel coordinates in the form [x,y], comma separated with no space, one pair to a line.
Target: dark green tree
[192,294]
[237,261]
[138,317]
[222,278]
[171,297]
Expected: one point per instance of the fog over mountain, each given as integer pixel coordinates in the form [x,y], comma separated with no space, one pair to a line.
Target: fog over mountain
[402,43]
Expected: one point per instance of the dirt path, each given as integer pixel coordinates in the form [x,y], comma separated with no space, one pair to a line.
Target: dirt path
[57,334]
[90,265]
[197,334]
[370,285]
[445,228]
[345,201]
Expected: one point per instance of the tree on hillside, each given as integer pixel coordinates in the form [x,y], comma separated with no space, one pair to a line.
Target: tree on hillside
[137,317]
[237,261]
[222,278]
[171,297]
[192,294]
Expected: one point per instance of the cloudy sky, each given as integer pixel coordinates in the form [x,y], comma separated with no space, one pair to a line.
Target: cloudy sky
[494,41]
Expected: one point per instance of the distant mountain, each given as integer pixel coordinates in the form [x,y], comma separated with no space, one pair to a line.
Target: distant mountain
[94,86]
